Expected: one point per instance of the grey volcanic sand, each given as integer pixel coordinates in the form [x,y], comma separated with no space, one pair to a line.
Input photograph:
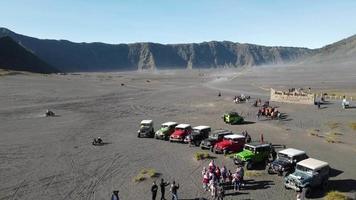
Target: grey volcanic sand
[52,158]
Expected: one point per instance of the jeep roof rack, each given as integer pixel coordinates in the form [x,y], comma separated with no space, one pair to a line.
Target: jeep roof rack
[292,152]
[169,123]
[201,127]
[183,126]
[234,136]
[257,144]
[146,121]
[312,163]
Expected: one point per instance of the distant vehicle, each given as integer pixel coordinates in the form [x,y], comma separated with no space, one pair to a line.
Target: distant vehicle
[230,144]
[345,104]
[166,130]
[233,118]
[180,132]
[198,134]
[97,141]
[309,173]
[146,129]
[49,113]
[214,137]
[286,161]
[253,153]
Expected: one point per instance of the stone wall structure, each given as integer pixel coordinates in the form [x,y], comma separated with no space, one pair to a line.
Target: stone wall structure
[292,97]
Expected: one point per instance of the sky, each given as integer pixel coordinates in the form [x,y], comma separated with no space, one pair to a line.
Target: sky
[301,23]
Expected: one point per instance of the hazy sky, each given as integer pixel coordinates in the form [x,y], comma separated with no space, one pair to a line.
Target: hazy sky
[308,23]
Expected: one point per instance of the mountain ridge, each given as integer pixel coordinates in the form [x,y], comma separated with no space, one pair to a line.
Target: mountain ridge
[15,57]
[69,56]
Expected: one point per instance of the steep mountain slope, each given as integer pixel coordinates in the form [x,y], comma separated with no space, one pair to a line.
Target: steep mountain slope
[15,57]
[341,52]
[69,56]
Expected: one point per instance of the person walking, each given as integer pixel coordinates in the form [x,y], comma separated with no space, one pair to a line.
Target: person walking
[223,174]
[154,190]
[115,195]
[217,174]
[163,186]
[174,190]
[212,187]
[241,175]
[235,181]
[205,181]
[221,193]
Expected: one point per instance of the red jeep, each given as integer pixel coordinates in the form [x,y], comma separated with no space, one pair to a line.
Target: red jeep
[230,144]
[180,132]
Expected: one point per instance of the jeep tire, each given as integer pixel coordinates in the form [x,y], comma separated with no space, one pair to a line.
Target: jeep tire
[249,165]
[306,192]
[225,152]
[324,185]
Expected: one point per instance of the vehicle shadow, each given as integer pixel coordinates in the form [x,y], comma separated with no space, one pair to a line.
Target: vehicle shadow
[326,103]
[335,172]
[345,185]
[247,122]
[251,184]
[101,144]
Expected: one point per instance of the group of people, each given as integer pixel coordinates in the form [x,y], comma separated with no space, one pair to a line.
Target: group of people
[268,111]
[214,179]
[173,189]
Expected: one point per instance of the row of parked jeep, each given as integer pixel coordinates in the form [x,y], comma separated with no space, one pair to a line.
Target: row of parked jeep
[300,172]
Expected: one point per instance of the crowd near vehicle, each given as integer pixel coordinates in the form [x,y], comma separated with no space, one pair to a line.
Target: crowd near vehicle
[286,161]
[166,130]
[214,137]
[198,134]
[180,132]
[146,129]
[309,174]
[233,118]
[301,173]
[252,154]
[230,144]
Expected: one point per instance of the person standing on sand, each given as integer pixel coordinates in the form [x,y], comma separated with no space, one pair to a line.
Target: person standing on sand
[154,190]
[174,190]
[163,186]
[115,195]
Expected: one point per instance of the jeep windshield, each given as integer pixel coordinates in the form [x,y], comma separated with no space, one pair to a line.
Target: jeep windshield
[283,156]
[250,148]
[214,136]
[304,169]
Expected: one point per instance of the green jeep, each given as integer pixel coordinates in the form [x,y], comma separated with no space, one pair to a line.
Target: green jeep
[233,118]
[166,130]
[253,153]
